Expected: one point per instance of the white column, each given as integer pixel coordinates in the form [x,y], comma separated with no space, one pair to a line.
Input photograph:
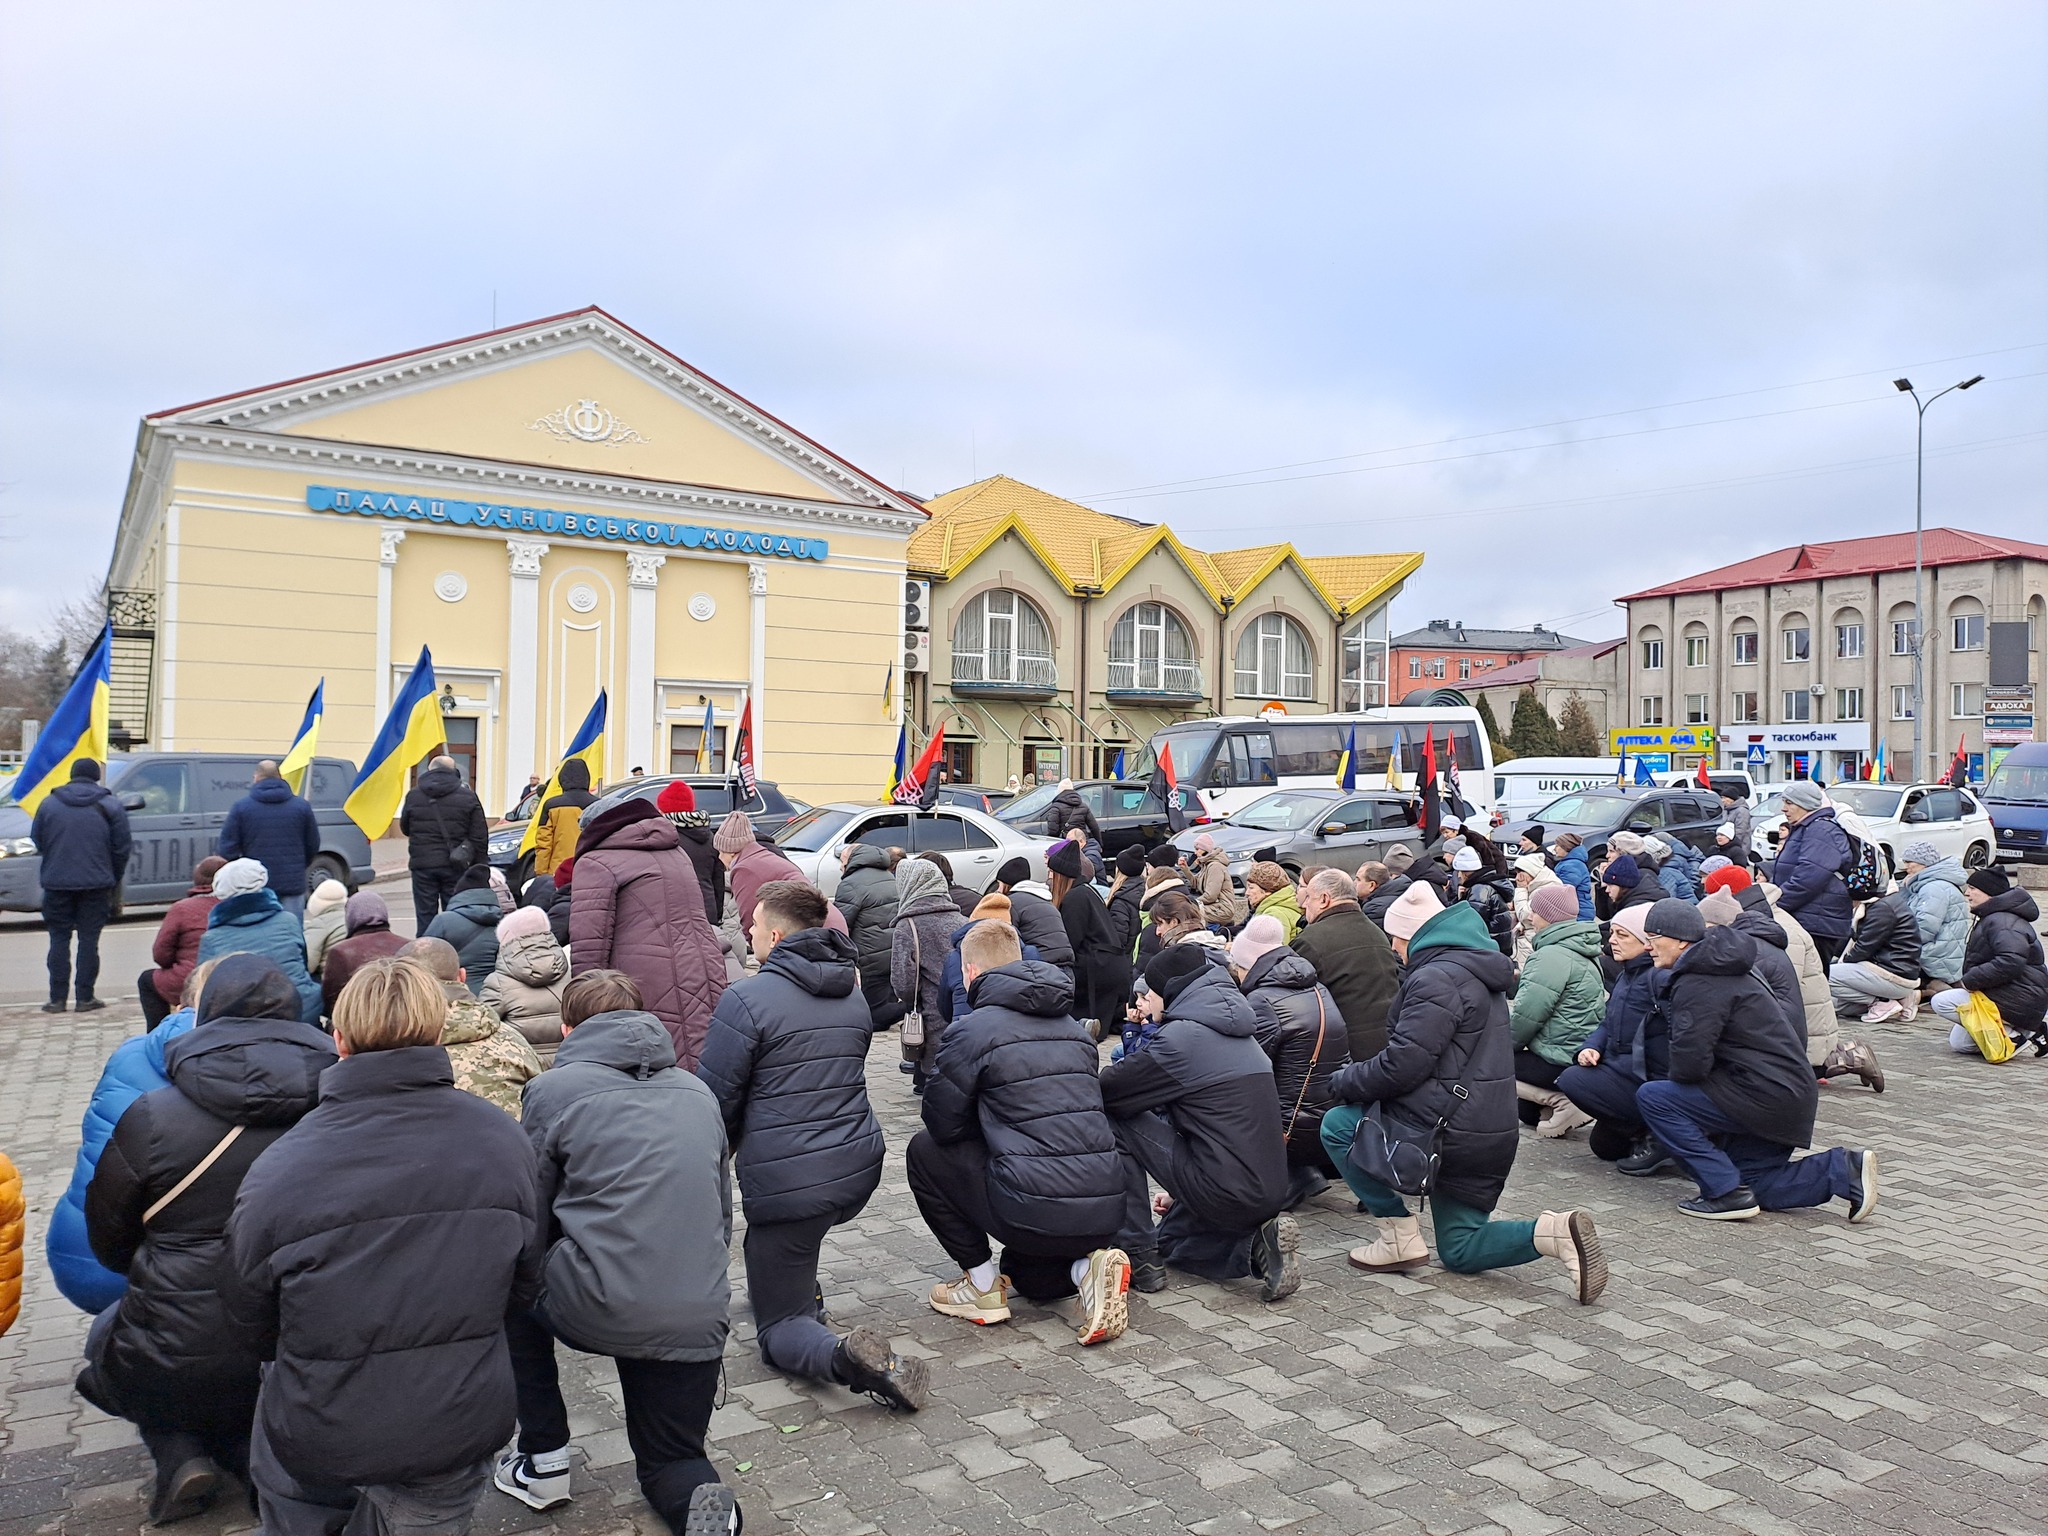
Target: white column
[757,658]
[643,573]
[388,541]
[522,667]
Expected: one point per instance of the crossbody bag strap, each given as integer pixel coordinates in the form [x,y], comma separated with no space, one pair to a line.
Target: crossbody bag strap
[1322,1022]
[917,968]
[192,1178]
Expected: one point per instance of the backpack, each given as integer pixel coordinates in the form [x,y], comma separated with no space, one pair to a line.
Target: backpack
[1865,872]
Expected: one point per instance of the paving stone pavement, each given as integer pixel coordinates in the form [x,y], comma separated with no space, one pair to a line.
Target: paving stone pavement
[1790,1374]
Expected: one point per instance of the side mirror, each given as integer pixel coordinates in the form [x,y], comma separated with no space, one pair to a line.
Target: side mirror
[1331,829]
[1917,813]
[132,802]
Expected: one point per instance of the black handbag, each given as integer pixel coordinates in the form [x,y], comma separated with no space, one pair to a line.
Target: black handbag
[1404,1155]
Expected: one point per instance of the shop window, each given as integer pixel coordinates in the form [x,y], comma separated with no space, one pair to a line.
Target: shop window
[1151,651]
[1273,660]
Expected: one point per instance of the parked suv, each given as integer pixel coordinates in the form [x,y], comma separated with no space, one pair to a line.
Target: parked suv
[176,803]
[1130,815]
[1337,827]
[1690,815]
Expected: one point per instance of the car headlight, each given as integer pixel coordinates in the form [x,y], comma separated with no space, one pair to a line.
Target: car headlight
[506,842]
[17,847]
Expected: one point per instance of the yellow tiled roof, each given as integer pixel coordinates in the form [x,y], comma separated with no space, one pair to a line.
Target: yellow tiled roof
[1082,547]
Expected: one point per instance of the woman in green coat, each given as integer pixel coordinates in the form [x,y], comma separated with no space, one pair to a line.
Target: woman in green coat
[1561,1001]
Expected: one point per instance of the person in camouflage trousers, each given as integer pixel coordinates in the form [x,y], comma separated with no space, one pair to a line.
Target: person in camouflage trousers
[491,1059]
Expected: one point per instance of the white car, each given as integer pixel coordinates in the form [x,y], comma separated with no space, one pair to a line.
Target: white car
[1893,815]
[976,845]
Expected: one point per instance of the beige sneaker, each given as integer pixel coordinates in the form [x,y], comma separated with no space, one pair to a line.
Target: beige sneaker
[959,1298]
[1400,1247]
[1104,1312]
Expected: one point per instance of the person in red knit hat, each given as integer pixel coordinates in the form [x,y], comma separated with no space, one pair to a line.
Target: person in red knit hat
[678,802]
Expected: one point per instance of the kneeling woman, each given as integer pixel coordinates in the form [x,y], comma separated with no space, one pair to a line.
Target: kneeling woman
[1450,1058]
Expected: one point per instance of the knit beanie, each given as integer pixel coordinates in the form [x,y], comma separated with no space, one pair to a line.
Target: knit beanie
[1530,864]
[1805,794]
[327,895]
[1014,872]
[995,904]
[1991,880]
[1411,909]
[733,834]
[1064,858]
[1718,861]
[1627,842]
[1400,858]
[1450,823]
[1267,876]
[1131,862]
[675,796]
[1261,936]
[1174,967]
[1720,909]
[1466,860]
[1633,919]
[1675,919]
[1730,878]
[1920,852]
[1533,834]
[1555,904]
[1622,871]
[520,922]
[1165,856]
[565,873]
[239,877]
[85,768]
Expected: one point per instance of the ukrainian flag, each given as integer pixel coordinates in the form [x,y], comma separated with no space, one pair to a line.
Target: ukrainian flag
[588,744]
[1347,765]
[77,729]
[703,742]
[295,762]
[902,764]
[1393,760]
[410,732]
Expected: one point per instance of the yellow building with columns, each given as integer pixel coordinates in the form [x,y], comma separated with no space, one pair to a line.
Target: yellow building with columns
[553,509]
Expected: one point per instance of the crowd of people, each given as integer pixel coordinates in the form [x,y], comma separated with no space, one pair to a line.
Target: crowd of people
[1123,1068]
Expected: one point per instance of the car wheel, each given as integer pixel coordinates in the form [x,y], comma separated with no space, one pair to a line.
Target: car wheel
[1976,856]
[327,866]
[522,871]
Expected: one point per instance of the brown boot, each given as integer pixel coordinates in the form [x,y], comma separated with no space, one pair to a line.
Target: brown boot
[1853,1057]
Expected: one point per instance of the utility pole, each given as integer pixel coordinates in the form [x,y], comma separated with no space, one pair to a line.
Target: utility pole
[1905,387]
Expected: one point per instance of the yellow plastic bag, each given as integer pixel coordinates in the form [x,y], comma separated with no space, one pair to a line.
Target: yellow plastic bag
[1979,1016]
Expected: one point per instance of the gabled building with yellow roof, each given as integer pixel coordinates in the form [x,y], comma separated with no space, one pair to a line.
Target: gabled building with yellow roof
[1061,635]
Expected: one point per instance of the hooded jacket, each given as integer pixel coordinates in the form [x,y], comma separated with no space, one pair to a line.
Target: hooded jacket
[526,989]
[866,898]
[381,1296]
[1301,1030]
[1678,868]
[559,819]
[639,909]
[2003,959]
[1038,924]
[1205,1071]
[135,1068]
[1284,907]
[693,835]
[82,834]
[786,1059]
[1019,1074]
[920,941]
[955,979]
[172,1353]
[369,938]
[470,923]
[1353,959]
[1574,871]
[176,946]
[1888,936]
[1562,998]
[442,817]
[276,828]
[325,921]
[1126,915]
[1223,905]
[1943,915]
[635,1193]
[1068,815]
[1631,1036]
[489,1057]
[1730,1037]
[256,923]
[1449,1026]
[1811,862]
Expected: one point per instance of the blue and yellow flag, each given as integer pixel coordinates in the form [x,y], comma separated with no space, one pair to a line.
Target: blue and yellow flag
[77,729]
[704,740]
[1347,765]
[1116,769]
[889,691]
[295,762]
[588,745]
[409,733]
[901,766]
[1393,761]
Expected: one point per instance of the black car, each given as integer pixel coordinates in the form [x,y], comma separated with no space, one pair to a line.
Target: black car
[770,812]
[1130,815]
[1689,815]
[976,797]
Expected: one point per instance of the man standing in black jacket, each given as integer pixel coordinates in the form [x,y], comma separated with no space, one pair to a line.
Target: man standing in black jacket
[82,833]
[1016,1148]
[446,833]
[785,1055]
[278,830]
[380,1295]
[1740,1095]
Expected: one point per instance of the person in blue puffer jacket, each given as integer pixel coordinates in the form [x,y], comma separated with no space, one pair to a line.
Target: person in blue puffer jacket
[135,1068]
[249,919]
[1678,867]
[1571,867]
[1933,888]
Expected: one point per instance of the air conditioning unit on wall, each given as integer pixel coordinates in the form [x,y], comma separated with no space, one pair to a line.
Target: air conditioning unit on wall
[917,652]
[917,605]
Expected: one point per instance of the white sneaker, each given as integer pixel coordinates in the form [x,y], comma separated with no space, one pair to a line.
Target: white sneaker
[1883,1011]
[516,1475]
[1104,1311]
[1910,1008]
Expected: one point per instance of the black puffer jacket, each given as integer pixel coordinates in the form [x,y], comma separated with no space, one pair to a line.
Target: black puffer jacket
[1038,924]
[1494,900]
[172,1352]
[1888,936]
[1126,916]
[1069,816]
[1449,1025]
[786,1055]
[1384,896]
[440,815]
[1301,1030]
[866,898]
[696,836]
[1205,1072]
[1774,967]
[82,833]
[1730,1036]
[2003,959]
[1019,1073]
[382,1291]
[1353,959]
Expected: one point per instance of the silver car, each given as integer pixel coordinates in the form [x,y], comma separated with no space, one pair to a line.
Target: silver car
[1312,826]
[976,845]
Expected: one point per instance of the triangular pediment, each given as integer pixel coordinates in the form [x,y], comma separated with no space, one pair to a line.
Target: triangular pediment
[579,392]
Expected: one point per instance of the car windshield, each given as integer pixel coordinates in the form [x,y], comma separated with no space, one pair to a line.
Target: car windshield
[1031,806]
[1582,811]
[1871,800]
[1190,748]
[1284,813]
[813,829]
[2025,783]
[1771,805]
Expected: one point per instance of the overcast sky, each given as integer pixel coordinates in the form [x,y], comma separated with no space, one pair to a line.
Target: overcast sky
[1322,262]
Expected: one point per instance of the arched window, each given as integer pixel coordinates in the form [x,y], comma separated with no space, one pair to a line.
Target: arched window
[1966,624]
[1650,648]
[1000,637]
[1362,675]
[1273,660]
[1695,645]
[1742,643]
[1850,642]
[1899,631]
[1151,651]
[1795,638]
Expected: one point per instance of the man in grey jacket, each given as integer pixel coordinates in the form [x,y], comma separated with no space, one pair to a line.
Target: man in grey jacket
[636,1208]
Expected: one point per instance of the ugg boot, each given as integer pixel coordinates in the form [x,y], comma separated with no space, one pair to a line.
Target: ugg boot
[1568,1236]
[1398,1248]
[1854,1058]
[1564,1118]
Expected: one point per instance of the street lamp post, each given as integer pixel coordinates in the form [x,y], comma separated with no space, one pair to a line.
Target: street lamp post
[1905,387]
